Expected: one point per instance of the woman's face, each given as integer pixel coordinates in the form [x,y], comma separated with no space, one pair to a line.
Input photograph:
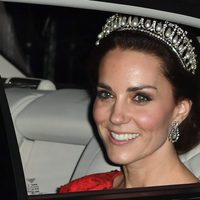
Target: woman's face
[134,106]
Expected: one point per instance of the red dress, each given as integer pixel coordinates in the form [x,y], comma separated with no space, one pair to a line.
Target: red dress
[101,181]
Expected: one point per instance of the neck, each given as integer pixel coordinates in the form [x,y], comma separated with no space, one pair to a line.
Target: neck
[155,170]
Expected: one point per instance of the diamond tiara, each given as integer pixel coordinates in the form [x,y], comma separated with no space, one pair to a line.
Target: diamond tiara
[167,32]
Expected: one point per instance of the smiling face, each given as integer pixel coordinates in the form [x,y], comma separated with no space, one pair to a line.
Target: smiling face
[134,106]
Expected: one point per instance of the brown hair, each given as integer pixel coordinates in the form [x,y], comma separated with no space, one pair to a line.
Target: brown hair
[185,84]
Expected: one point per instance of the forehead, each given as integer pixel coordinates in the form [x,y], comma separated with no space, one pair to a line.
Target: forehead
[130,62]
[121,69]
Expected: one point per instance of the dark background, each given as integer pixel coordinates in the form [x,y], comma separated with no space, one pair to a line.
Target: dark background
[54,43]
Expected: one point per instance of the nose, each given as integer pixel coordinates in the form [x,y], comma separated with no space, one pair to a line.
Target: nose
[119,113]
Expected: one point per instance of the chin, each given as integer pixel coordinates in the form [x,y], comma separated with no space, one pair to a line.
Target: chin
[119,159]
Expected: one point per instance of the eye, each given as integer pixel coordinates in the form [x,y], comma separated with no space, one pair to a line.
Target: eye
[103,94]
[142,98]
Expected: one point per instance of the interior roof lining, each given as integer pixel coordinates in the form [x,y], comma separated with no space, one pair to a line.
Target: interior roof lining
[120,8]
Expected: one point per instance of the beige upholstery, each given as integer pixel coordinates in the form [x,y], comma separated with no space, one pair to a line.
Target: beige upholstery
[52,131]
[191,159]
[56,140]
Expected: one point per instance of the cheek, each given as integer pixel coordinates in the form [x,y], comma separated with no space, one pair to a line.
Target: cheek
[99,113]
[153,120]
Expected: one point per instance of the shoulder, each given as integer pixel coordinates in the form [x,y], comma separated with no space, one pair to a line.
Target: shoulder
[98,181]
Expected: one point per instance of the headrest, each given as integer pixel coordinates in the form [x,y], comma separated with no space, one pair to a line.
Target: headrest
[58,116]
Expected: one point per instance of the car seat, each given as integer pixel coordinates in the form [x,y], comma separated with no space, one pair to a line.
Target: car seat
[52,131]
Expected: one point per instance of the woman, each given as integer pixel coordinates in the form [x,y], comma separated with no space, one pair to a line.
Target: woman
[146,108]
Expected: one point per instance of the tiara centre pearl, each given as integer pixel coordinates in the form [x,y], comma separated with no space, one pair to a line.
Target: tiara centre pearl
[135,22]
[148,23]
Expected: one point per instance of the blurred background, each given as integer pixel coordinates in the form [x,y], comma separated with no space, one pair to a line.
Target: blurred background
[50,42]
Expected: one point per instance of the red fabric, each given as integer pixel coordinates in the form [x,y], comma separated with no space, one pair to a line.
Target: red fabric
[99,181]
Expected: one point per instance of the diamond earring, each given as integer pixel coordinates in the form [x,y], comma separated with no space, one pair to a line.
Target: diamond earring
[174,132]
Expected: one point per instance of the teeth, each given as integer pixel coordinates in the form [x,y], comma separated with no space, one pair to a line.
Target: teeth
[126,136]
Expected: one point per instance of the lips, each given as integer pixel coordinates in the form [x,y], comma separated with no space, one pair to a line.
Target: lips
[124,136]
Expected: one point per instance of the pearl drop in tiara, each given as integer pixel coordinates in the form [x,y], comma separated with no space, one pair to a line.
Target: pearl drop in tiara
[167,32]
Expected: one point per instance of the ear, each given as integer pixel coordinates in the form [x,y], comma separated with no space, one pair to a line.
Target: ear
[182,110]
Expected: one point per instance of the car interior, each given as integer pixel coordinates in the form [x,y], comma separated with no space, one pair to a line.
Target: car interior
[56,136]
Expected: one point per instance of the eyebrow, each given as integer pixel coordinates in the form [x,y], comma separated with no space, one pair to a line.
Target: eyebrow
[134,89]
[103,85]
[130,89]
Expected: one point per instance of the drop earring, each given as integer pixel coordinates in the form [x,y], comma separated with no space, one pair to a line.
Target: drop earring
[174,132]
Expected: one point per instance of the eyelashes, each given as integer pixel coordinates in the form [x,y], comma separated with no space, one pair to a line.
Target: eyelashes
[138,97]
[104,94]
[141,97]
